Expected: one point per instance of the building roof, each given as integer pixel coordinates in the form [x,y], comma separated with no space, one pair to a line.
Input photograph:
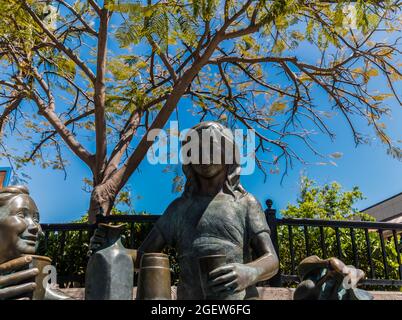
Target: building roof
[387,210]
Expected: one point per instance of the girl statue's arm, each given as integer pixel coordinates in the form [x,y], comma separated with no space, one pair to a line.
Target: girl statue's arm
[236,277]
[154,242]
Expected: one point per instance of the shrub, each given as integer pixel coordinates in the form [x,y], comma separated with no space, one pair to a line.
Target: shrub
[68,250]
[330,202]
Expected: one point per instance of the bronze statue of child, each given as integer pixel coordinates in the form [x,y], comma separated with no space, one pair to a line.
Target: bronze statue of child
[19,231]
[215,215]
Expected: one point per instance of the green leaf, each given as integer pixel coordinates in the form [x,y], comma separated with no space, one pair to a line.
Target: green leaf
[278,107]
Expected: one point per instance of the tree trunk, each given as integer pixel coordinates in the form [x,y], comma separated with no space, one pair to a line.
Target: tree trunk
[102,200]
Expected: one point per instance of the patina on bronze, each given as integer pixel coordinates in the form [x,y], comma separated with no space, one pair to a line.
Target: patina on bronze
[19,229]
[21,275]
[40,262]
[154,277]
[110,269]
[329,279]
[208,264]
[215,214]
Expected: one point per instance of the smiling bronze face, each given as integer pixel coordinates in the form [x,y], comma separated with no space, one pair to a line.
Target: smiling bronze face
[19,224]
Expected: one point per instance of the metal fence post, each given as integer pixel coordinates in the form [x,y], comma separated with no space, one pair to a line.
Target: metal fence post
[98,219]
[270,215]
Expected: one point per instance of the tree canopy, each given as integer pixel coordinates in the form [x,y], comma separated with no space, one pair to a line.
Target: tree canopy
[96,76]
[326,202]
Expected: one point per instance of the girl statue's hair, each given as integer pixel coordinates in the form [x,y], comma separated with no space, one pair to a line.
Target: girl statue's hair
[219,133]
[8,193]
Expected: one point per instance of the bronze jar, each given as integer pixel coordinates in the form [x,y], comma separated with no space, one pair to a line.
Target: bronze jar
[154,277]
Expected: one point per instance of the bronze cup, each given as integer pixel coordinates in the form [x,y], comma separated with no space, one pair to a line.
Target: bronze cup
[154,277]
[39,262]
[207,264]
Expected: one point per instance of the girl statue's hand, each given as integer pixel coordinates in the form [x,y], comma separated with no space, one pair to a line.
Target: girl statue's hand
[232,278]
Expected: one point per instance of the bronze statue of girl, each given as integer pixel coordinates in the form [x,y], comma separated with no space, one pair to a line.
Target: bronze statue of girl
[19,230]
[215,215]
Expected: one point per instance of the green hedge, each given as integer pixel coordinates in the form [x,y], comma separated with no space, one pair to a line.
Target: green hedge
[73,259]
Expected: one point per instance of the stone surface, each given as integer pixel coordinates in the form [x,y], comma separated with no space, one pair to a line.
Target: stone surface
[265,292]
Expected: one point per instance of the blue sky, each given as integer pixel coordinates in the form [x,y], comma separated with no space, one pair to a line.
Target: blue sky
[368,166]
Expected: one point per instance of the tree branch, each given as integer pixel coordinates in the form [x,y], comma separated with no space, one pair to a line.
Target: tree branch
[100,97]
[163,57]
[79,17]
[48,112]
[59,44]
[95,6]
[52,134]
[160,120]
[127,135]
[10,108]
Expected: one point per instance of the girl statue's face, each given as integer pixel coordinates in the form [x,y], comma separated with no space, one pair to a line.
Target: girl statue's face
[19,228]
[208,170]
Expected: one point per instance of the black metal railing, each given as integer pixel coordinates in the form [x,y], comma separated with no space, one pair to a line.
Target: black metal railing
[294,239]
[325,238]
[70,262]
[67,244]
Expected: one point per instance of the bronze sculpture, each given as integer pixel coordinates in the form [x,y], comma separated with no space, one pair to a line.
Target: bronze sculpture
[329,279]
[154,277]
[215,215]
[110,269]
[207,264]
[19,230]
